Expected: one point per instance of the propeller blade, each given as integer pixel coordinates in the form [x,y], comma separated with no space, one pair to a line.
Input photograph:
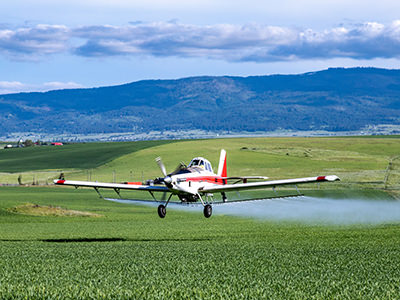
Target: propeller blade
[161,165]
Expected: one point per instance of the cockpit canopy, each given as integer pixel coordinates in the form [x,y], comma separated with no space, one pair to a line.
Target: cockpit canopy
[201,162]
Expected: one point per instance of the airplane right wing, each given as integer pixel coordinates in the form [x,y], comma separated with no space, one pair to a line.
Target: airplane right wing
[265,184]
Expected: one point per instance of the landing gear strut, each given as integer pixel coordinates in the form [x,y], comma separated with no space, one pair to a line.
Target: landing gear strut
[162,211]
[207,207]
[207,210]
[224,198]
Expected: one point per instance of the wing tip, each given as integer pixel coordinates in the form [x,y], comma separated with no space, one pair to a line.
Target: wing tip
[328,178]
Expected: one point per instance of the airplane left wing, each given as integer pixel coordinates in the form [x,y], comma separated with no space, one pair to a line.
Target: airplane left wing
[265,184]
[125,186]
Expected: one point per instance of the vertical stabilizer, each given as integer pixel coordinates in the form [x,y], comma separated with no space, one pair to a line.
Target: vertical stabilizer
[222,171]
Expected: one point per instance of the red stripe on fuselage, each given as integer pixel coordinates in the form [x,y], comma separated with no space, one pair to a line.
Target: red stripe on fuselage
[209,179]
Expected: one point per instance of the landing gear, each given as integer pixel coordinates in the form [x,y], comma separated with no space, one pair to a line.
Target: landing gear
[162,211]
[207,210]
[207,207]
[224,198]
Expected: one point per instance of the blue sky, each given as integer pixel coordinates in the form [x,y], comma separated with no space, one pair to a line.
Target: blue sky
[66,44]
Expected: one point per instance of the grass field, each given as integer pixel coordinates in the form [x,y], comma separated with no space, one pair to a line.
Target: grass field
[361,162]
[45,163]
[130,253]
[69,156]
[49,250]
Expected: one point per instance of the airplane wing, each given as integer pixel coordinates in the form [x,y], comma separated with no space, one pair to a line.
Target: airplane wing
[264,184]
[125,186]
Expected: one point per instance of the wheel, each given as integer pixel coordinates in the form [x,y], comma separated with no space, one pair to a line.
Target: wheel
[161,211]
[207,211]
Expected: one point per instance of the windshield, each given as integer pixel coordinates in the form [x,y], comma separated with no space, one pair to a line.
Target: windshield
[196,162]
[201,163]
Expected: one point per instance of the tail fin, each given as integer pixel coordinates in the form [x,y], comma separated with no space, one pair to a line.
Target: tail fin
[222,171]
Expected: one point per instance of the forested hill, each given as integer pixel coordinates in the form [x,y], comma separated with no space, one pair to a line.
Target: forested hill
[333,99]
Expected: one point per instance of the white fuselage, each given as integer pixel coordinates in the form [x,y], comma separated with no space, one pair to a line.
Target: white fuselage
[191,180]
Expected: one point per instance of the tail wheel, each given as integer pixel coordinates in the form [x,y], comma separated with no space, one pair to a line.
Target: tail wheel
[162,211]
[207,211]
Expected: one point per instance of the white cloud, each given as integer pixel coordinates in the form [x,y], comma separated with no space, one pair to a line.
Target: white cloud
[8,87]
[10,84]
[228,42]
[27,43]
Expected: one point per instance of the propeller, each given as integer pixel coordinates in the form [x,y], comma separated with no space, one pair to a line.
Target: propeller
[161,165]
[167,180]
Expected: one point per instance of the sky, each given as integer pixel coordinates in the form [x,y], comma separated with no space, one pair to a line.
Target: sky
[48,44]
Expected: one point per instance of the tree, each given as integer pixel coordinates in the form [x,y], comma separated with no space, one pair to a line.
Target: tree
[29,143]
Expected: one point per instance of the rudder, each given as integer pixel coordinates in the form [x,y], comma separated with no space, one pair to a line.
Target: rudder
[222,168]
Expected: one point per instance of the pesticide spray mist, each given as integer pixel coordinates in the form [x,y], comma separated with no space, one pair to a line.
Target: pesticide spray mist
[311,210]
[317,210]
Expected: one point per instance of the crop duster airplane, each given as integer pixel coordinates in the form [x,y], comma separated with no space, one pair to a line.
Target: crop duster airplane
[195,182]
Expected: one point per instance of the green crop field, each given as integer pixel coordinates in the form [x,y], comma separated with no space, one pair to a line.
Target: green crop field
[62,243]
[129,253]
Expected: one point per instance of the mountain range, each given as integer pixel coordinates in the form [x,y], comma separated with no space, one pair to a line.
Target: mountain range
[337,99]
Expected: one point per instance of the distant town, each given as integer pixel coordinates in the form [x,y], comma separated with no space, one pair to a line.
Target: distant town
[29,143]
[44,139]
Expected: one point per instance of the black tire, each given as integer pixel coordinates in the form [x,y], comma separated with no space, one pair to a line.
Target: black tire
[207,211]
[162,211]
